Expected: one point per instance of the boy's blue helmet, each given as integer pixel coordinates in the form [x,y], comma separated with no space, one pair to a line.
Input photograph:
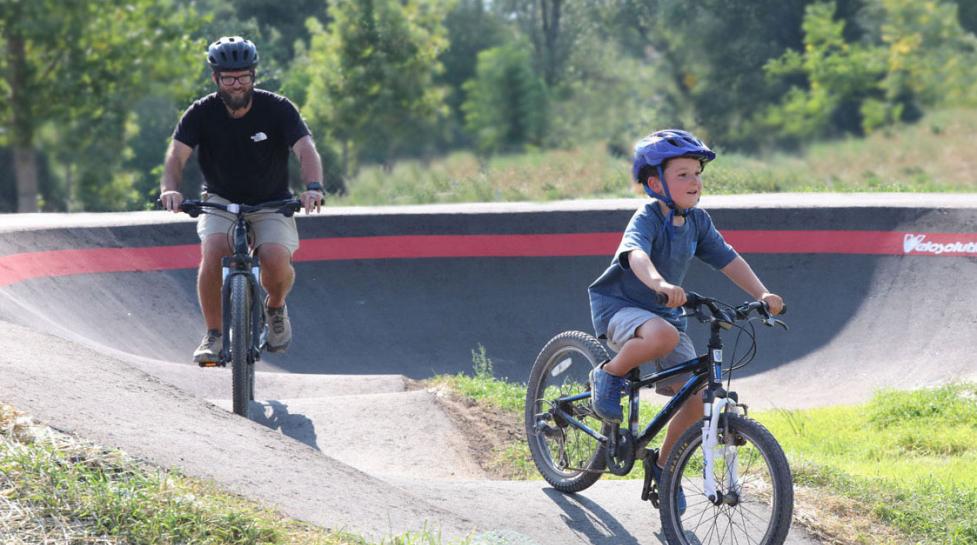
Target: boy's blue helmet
[658,147]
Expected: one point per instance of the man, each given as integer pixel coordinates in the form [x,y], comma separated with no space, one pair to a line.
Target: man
[243,136]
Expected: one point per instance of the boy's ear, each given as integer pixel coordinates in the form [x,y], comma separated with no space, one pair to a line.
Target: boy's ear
[654,183]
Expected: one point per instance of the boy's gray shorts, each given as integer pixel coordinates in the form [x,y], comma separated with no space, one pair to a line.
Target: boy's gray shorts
[621,329]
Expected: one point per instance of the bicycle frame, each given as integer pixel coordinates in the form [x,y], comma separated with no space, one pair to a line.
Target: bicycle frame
[242,263]
[706,371]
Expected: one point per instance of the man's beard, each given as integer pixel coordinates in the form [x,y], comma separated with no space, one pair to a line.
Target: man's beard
[235,103]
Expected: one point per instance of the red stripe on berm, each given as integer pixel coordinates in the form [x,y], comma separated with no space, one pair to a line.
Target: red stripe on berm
[19,267]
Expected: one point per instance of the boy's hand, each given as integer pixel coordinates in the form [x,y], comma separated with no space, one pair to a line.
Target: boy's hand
[774,302]
[675,294]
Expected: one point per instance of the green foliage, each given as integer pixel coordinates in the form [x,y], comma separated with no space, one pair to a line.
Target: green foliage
[839,77]
[82,68]
[505,108]
[371,74]
[921,57]
[471,28]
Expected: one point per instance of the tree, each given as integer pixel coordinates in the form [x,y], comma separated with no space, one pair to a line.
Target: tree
[506,105]
[371,79]
[471,28]
[838,78]
[81,65]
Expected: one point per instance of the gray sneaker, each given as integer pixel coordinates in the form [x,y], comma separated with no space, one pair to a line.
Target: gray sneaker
[208,354]
[279,329]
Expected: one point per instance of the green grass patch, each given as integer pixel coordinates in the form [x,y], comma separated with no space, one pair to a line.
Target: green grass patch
[908,458]
[932,155]
[56,489]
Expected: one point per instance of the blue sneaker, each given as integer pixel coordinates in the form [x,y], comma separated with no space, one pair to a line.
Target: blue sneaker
[606,394]
[656,473]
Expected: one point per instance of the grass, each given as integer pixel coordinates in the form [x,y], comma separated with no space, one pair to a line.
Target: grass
[907,460]
[932,155]
[57,489]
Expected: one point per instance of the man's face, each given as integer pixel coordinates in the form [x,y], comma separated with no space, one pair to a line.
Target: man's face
[235,87]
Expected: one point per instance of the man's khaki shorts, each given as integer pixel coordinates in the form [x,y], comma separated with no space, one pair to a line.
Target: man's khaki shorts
[266,227]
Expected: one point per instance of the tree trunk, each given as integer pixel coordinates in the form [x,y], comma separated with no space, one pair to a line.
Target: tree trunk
[25,158]
[25,169]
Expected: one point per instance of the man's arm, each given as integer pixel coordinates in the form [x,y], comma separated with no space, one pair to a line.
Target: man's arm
[310,166]
[742,275]
[176,158]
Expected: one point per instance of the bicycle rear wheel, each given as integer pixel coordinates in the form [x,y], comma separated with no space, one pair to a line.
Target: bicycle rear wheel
[569,459]
[242,368]
[759,505]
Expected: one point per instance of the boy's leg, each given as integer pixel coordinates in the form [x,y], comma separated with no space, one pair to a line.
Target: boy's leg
[653,339]
[638,336]
[689,414]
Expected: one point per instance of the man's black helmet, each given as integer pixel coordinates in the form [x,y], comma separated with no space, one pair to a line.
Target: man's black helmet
[232,53]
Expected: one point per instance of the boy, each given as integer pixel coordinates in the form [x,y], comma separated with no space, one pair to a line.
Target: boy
[654,256]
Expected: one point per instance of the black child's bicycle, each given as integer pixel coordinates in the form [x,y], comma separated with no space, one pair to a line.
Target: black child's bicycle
[243,318]
[737,485]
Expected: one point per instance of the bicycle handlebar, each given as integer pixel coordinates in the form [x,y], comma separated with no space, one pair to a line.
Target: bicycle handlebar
[693,301]
[193,207]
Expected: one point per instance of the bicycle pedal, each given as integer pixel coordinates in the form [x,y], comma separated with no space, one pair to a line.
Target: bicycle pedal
[208,364]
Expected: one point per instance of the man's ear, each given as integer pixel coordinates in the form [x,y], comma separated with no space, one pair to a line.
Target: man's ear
[213,77]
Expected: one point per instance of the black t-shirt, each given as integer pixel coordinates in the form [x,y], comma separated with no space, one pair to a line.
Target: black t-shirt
[244,160]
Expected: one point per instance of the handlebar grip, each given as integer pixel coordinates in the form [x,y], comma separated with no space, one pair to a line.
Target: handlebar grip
[661,298]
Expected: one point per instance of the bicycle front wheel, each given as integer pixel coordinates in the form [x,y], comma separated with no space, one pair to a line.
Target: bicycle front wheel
[752,474]
[242,369]
[568,458]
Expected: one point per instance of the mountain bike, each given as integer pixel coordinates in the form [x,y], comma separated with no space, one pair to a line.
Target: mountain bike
[242,304]
[733,473]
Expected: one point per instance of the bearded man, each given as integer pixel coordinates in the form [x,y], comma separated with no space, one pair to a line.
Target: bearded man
[243,136]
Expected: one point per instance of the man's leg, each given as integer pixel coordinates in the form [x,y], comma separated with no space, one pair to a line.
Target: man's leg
[212,249]
[277,276]
[277,273]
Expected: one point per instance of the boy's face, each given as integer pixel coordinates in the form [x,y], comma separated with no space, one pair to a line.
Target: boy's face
[683,175]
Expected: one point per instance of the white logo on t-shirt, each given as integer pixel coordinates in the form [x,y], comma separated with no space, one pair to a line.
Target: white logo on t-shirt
[259,137]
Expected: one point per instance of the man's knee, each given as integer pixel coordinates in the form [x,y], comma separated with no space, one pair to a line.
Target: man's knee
[212,249]
[276,259]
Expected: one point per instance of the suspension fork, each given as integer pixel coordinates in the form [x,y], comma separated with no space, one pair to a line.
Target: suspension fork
[716,403]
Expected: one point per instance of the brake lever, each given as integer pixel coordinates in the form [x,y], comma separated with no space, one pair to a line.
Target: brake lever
[771,322]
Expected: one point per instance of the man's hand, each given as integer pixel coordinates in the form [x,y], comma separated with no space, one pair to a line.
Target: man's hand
[171,200]
[774,302]
[311,200]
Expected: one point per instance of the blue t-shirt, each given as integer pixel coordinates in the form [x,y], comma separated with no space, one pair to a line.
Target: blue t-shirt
[619,287]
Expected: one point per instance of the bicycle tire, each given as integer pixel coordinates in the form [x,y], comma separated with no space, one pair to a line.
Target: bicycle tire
[569,459]
[765,496]
[242,370]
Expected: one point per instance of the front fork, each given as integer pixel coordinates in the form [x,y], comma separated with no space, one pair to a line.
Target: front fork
[710,444]
[231,265]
